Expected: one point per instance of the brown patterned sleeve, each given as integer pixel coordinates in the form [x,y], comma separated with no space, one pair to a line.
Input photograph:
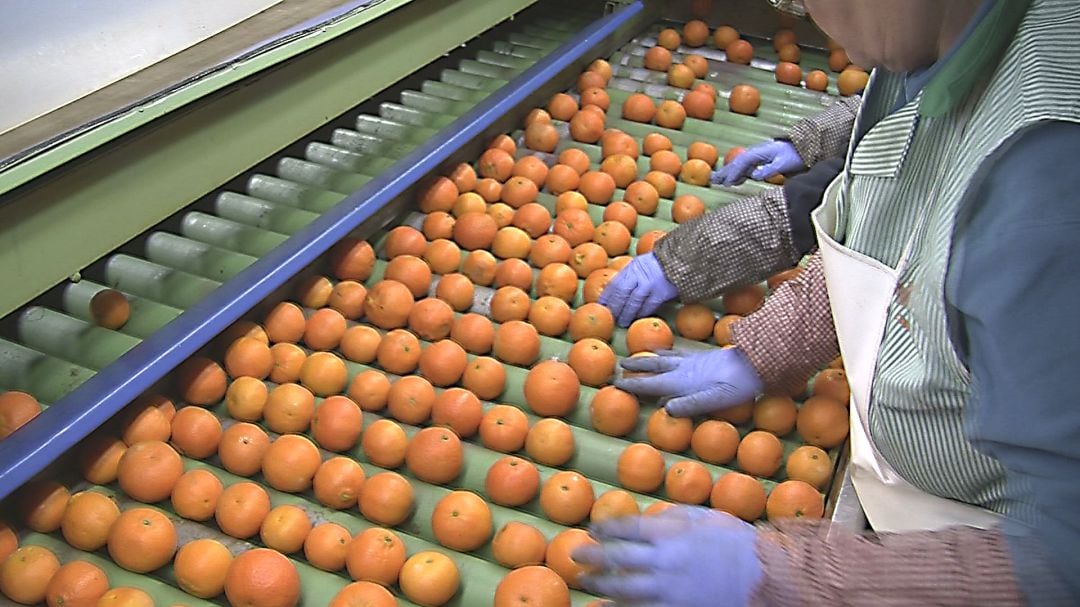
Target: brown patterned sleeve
[741,243]
[825,135]
[792,335]
[815,563]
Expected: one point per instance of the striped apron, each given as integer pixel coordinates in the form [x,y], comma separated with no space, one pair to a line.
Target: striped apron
[885,231]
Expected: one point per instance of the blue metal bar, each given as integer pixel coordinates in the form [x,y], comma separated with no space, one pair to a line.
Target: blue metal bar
[62,426]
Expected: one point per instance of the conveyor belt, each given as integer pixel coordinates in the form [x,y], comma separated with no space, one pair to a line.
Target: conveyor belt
[51,347]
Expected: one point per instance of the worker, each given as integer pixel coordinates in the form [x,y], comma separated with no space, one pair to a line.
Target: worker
[746,241]
[945,273]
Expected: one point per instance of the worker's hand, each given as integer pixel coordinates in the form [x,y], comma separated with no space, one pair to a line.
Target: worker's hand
[637,290]
[683,557]
[760,162]
[695,382]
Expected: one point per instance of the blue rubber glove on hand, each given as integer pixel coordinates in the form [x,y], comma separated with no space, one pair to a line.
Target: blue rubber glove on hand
[695,382]
[760,162]
[683,557]
[637,290]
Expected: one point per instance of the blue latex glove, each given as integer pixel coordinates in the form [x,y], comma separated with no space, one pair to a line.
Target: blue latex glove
[760,162]
[637,290]
[695,382]
[683,557]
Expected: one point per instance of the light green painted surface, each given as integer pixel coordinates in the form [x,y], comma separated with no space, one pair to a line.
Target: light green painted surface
[52,229]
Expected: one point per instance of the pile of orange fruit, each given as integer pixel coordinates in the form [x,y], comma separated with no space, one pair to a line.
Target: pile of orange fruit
[395,364]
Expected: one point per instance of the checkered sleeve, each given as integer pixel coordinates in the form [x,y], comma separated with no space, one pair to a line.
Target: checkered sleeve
[792,335]
[740,243]
[825,135]
[815,563]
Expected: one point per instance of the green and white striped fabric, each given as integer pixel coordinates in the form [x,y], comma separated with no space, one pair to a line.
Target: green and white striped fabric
[904,182]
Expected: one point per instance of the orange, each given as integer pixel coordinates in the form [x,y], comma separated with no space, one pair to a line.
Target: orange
[687,207]
[518,544]
[429,578]
[459,410]
[699,104]
[142,540]
[550,315]
[387,499]
[388,304]
[823,421]
[461,521]
[369,390]
[558,555]
[456,290]
[200,567]
[363,594]
[669,38]
[438,195]
[241,509]
[722,329]
[592,320]
[558,280]
[688,482]
[431,319]
[789,73]
[575,225]
[504,428]
[612,504]
[337,423]
[775,414]
[409,270]
[16,408]
[695,171]
[242,448]
[670,114]
[744,99]
[338,482]
[613,236]
[744,300]
[592,360]
[641,468]
[740,495]
[549,249]
[289,408]
[811,465]
[149,470]
[639,107]
[575,158]
[657,59]
[739,414]
[551,388]
[435,455]
[516,343]
[695,33]
[288,360]
[262,578]
[290,463]
[794,499]
[760,453]
[832,383]
[437,225]
[817,80]
[195,495]
[25,574]
[680,76]
[542,136]
[514,273]
[669,433]
[375,555]
[87,520]
[567,497]
[694,321]
[588,257]
[9,541]
[739,51]
[613,411]
[41,505]
[530,586]
[99,457]
[511,481]
[143,421]
[285,323]
[410,399]
[402,240]
[327,546]
[324,328]
[586,126]
[550,441]
[110,309]
[715,441]
[246,398]
[196,432]
[248,357]
[509,303]
[312,291]
[485,377]
[352,259]
[724,35]
[324,373]
[200,381]
[838,60]
[126,596]
[285,528]
[77,583]
[398,352]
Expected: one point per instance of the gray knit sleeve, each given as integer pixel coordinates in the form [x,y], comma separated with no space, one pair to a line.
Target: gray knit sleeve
[825,135]
[741,243]
[815,563]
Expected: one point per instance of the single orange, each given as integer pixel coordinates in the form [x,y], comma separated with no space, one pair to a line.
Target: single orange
[796,499]
[290,463]
[16,408]
[195,495]
[387,499]
[532,585]
[200,381]
[613,411]
[25,574]
[99,458]
[149,470]
[511,481]
[242,448]
[504,428]
[740,495]
[241,509]
[641,468]
[285,528]
[457,409]
[567,497]
[552,388]
[87,519]
[201,566]
[142,540]
[363,594]
[77,583]
[550,441]
[811,465]
[262,578]
[434,455]
[327,546]
[338,482]
[760,453]
[429,578]
[196,432]
[337,423]
[375,555]
[461,521]
[289,408]
[715,441]
[613,503]
[369,389]
[410,399]
[688,482]
[558,555]
[485,377]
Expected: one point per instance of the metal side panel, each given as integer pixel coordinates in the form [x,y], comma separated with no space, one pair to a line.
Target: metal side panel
[45,225]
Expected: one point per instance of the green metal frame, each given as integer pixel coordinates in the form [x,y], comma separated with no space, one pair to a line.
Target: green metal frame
[62,221]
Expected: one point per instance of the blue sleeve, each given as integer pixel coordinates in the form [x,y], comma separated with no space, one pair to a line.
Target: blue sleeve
[1013,288]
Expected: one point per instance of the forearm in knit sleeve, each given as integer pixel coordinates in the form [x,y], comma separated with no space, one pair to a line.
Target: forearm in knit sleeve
[815,563]
[792,335]
[825,135]
[741,243]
